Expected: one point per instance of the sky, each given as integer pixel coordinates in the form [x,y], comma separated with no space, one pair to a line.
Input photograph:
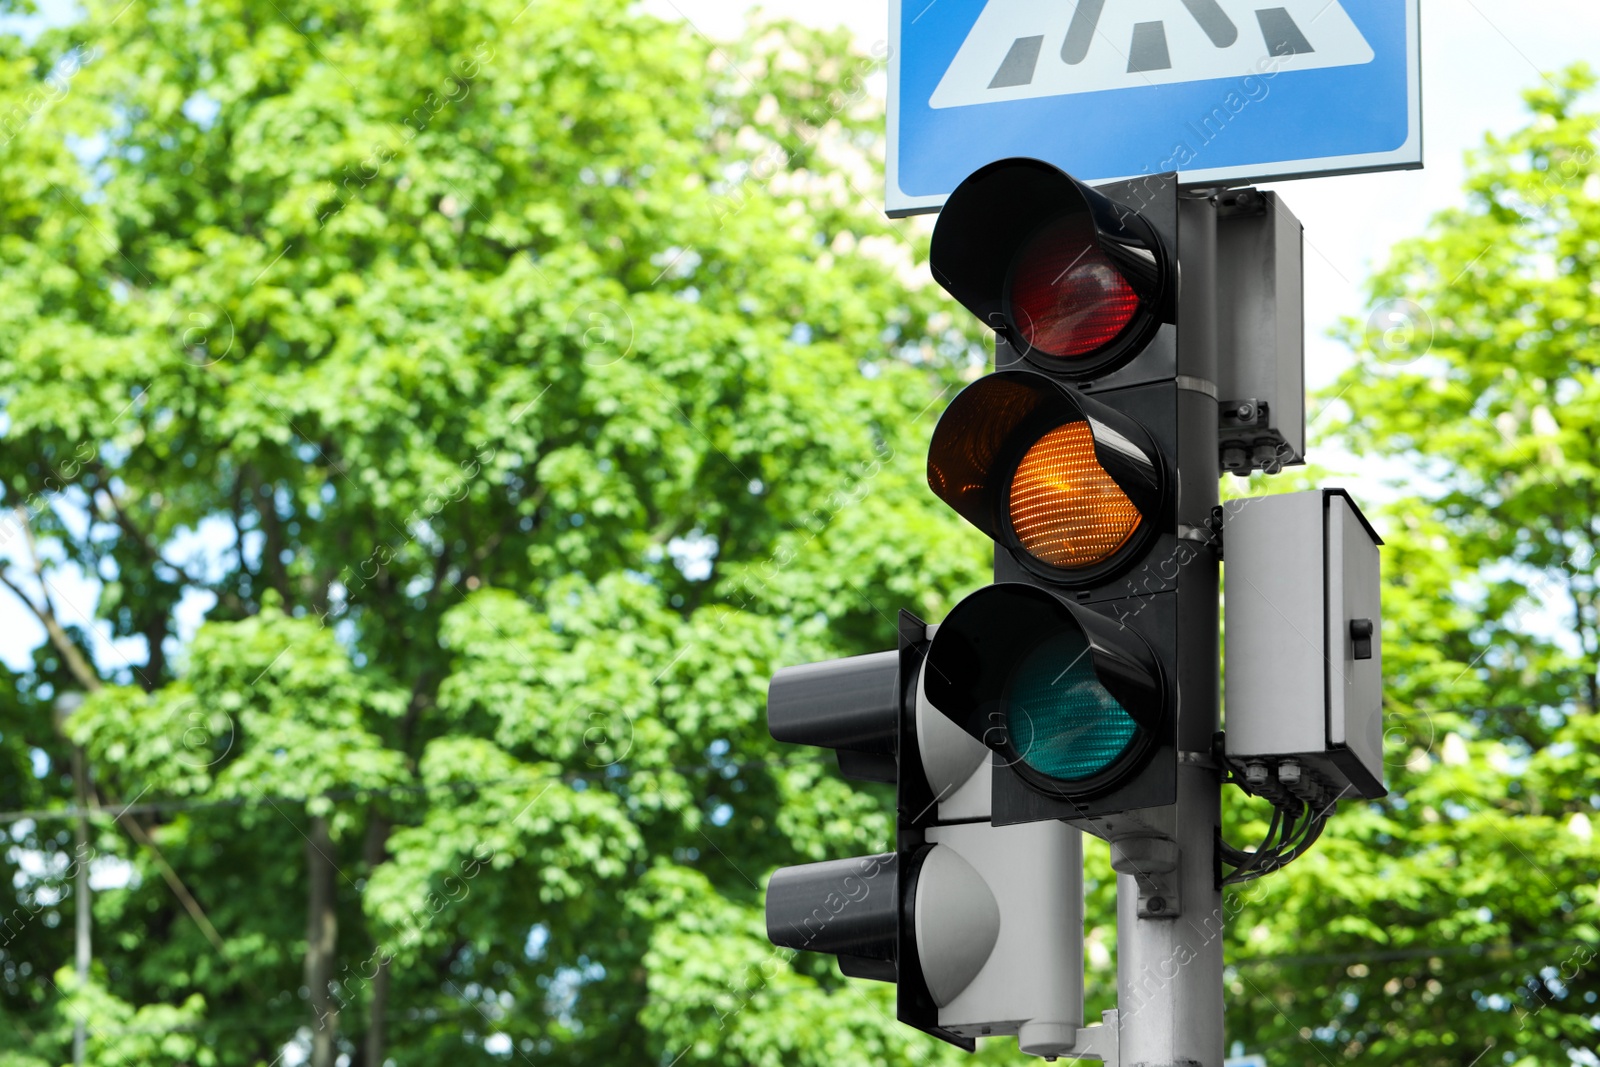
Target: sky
[1478,57]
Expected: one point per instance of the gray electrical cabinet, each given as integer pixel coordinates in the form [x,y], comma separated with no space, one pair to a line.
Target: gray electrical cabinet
[1303,691]
[1261,405]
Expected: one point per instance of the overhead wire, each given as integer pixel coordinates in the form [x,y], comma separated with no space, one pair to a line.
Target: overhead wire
[158,807]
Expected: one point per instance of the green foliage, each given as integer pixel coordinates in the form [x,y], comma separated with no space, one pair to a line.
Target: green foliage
[525,383]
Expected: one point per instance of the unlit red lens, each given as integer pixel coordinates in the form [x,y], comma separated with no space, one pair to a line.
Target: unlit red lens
[1065,509]
[1067,299]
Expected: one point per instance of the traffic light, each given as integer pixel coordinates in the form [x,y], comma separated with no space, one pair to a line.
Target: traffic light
[980,927]
[1079,692]
[1069,458]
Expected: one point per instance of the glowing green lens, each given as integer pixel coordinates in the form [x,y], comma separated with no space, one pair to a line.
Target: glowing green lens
[1059,717]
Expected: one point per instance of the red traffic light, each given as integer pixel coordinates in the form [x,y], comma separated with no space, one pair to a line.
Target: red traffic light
[1077,282]
[1065,298]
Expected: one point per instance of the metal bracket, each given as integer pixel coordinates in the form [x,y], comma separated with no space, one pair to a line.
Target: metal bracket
[1153,862]
[1209,535]
[1099,1042]
[1204,760]
[1242,414]
[1247,440]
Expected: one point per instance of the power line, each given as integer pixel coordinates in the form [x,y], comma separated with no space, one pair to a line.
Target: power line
[11,818]
[1394,955]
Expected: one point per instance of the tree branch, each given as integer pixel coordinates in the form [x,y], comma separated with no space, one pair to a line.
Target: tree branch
[81,669]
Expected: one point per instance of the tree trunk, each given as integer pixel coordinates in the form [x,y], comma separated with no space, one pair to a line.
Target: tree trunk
[377,1015]
[378,1010]
[322,935]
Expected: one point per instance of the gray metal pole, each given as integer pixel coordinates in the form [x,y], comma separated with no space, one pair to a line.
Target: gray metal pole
[83,905]
[1169,969]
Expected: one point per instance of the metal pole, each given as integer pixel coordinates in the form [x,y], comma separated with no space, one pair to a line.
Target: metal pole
[84,907]
[83,904]
[1169,969]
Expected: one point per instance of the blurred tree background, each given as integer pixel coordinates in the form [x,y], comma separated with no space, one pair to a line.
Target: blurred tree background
[512,387]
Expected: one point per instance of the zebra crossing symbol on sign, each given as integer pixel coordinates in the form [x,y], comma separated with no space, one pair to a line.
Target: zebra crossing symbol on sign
[1020,49]
[1220,91]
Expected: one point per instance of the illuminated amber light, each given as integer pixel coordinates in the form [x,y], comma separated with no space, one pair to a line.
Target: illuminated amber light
[1065,508]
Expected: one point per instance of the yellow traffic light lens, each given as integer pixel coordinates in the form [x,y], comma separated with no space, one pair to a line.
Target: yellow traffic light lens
[1065,509]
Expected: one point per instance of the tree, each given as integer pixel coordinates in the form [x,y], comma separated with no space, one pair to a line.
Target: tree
[514,387]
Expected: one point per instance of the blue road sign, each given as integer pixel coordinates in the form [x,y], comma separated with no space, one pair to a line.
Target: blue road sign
[1221,91]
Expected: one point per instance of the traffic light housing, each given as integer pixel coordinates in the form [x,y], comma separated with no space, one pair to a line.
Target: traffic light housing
[1068,458]
[1077,282]
[1072,488]
[1079,691]
[979,926]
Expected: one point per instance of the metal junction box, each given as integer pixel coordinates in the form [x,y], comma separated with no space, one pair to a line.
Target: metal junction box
[1303,693]
[1261,404]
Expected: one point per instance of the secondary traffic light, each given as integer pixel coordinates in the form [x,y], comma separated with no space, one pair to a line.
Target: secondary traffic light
[979,926]
[1067,457]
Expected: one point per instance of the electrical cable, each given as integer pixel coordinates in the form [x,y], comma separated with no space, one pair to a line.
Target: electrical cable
[1246,860]
[1299,832]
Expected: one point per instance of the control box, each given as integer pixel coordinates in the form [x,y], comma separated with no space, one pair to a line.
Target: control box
[1303,689]
[1261,404]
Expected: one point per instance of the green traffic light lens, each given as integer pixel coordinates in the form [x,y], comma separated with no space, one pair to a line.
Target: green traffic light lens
[1060,719]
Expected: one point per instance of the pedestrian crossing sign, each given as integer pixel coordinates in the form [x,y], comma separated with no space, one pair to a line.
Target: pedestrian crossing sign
[1220,91]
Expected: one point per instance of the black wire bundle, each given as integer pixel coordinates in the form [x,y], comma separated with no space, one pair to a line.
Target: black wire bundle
[1294,829]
